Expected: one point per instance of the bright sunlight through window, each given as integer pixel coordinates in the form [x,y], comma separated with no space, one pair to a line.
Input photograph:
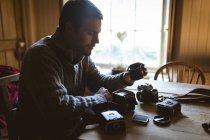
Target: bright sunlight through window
[132,31]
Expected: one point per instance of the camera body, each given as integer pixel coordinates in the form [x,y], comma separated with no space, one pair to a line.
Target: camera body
[112,122]
[168,107]
[146,93]
[123,101]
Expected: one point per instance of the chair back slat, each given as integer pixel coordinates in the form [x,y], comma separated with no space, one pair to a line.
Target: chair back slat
[177,71]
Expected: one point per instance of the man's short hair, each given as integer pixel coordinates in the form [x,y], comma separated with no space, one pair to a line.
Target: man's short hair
[77,11]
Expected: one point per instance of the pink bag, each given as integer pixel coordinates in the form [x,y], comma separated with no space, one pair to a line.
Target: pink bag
[12,88]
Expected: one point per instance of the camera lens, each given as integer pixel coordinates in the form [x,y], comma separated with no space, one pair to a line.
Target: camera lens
[205,126]
[135,71]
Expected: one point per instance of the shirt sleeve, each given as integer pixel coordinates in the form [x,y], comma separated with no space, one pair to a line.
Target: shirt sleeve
[97,80]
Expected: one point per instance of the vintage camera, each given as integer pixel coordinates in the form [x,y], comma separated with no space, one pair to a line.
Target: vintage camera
[112,122]
[123,101]
[168,107]
[146,93]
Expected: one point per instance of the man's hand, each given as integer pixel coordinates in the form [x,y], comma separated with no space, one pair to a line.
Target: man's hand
[134,72]
[105,93]
[126,78]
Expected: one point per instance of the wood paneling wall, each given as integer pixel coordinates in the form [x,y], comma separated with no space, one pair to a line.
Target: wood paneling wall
[41,18]
[47,11]
[191,40]
[27,21]
[9,31]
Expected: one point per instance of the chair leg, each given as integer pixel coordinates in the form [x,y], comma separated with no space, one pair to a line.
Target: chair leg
[3,135]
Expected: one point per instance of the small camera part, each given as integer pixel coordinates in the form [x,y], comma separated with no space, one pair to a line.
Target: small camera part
[140,119]
[161,120]
[146,93]
[112,122]
[168,107]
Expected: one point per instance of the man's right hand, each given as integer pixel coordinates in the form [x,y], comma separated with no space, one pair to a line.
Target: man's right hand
[105,93]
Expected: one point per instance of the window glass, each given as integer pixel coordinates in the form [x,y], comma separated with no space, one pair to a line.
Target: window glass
[132,31]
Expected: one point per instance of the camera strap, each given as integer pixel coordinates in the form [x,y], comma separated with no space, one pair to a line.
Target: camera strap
[195,95]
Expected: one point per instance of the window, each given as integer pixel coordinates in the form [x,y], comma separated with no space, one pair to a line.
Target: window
[132,31]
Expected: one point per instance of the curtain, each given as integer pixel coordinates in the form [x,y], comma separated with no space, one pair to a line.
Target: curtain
[172,4]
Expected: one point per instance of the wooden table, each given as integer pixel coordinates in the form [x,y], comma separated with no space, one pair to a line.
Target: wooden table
[186,126]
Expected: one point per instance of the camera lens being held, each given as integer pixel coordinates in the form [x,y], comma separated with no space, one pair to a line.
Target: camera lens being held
[146,93]
[206,126]
[137,71]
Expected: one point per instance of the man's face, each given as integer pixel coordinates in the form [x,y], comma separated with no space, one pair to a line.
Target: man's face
[87,36]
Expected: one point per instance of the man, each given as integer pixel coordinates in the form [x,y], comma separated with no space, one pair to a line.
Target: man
[55,72]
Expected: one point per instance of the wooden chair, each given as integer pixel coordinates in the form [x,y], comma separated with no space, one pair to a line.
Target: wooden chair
[8,111]
[183,72]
